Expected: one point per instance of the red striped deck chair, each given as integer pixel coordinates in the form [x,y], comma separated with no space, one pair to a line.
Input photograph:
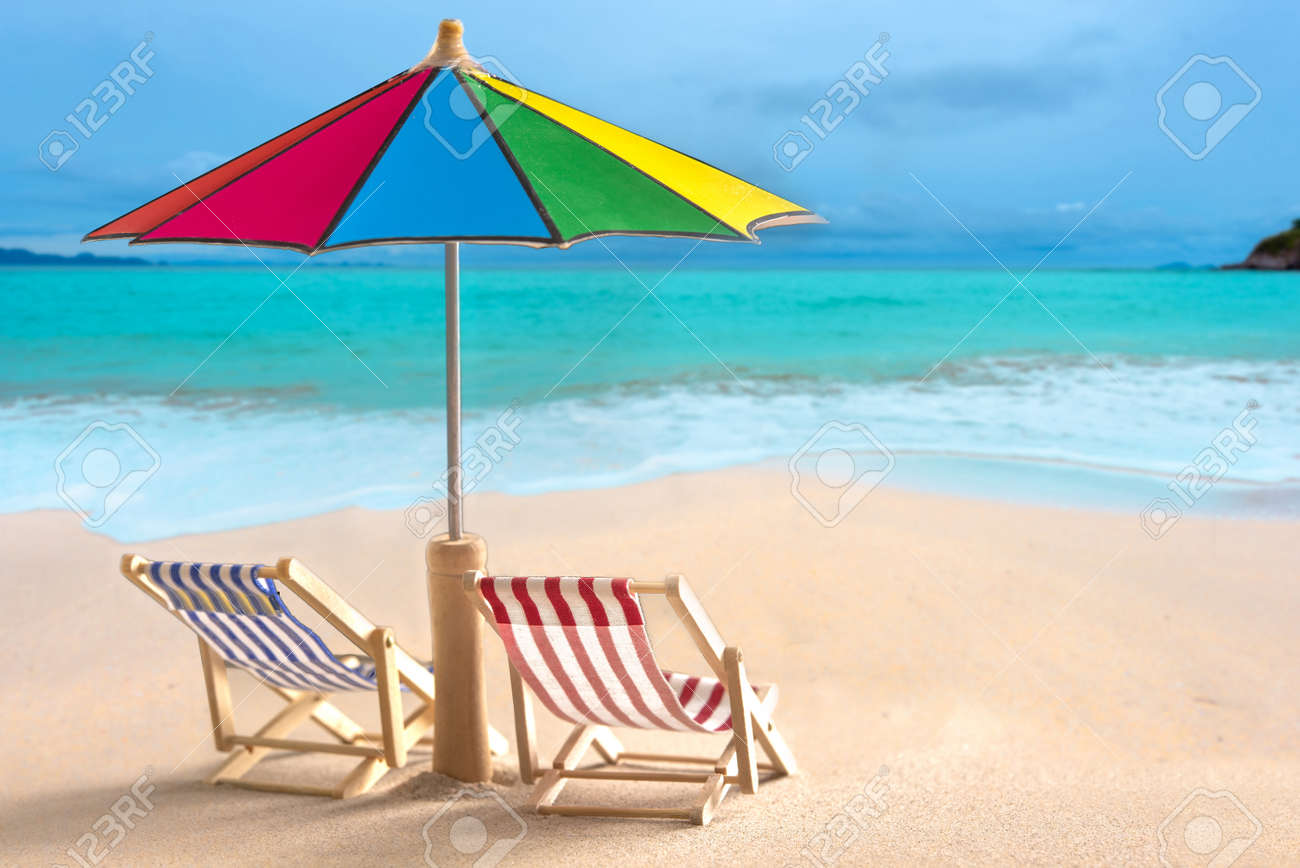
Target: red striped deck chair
[580,646]
[243,622]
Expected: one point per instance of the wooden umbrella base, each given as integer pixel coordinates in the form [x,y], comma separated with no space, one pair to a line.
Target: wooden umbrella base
[461,746]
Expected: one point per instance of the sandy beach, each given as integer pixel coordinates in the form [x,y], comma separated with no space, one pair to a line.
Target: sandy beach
[1014,684]
[950,354]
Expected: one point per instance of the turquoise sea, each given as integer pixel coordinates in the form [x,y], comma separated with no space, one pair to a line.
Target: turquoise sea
[242,400]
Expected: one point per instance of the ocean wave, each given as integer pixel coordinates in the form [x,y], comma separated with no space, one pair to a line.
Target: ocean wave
[239,459]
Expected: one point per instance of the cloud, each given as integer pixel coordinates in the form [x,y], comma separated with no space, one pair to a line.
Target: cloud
[1068,207]
[1007,89]
[1054,77]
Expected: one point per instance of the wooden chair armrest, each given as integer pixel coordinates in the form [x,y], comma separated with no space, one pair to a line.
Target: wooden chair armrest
[691,611]
[471,578]
[327,602]
[133,567]
[345,618]
[714,650]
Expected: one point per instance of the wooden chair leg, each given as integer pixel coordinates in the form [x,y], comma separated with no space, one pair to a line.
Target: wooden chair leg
[417,725]
[607,745]
[710,797]
[568,757]
[768,736]
[525,728]
[726,764]
[714,786]
[329,718]
[217,684]
[715,782]
[767,696]
[277,727]
[742,728]
[546,791]
[362,778]
[390,696]
[775,747]
[571,752]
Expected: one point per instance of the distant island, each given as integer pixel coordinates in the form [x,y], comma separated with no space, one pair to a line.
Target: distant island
[21,256]
[1280,252]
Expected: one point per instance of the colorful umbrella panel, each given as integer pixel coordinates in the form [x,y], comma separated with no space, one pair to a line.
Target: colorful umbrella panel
[454,154]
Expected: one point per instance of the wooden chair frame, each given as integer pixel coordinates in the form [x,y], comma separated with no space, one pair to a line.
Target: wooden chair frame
[737,765]
[394,667]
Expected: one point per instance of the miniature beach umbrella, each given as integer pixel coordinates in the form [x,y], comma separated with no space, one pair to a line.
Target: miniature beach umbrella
[447,152]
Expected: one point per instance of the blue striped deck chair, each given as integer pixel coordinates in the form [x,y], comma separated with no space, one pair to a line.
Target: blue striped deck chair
[243,622]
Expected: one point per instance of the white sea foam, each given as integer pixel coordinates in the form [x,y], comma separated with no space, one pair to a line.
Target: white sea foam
[240,463]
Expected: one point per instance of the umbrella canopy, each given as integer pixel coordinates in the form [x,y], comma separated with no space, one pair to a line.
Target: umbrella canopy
[447,152]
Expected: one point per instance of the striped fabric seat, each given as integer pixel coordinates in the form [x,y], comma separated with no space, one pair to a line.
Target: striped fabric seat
[581,646]
[243,618]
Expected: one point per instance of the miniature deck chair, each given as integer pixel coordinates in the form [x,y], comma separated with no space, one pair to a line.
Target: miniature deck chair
[580,645]
[242,622]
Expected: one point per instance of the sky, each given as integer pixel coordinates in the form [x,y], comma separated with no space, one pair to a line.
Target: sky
[1007,133]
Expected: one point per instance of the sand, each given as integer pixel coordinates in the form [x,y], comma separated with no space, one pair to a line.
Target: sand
[1015,684]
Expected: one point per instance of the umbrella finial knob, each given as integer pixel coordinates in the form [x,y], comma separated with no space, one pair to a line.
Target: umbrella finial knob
[449,49]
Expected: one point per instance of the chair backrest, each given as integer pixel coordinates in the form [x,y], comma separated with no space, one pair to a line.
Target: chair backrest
[582,647]
[242,617]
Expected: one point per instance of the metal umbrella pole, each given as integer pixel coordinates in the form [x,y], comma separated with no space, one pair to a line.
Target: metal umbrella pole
[460,743]
[452,285]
